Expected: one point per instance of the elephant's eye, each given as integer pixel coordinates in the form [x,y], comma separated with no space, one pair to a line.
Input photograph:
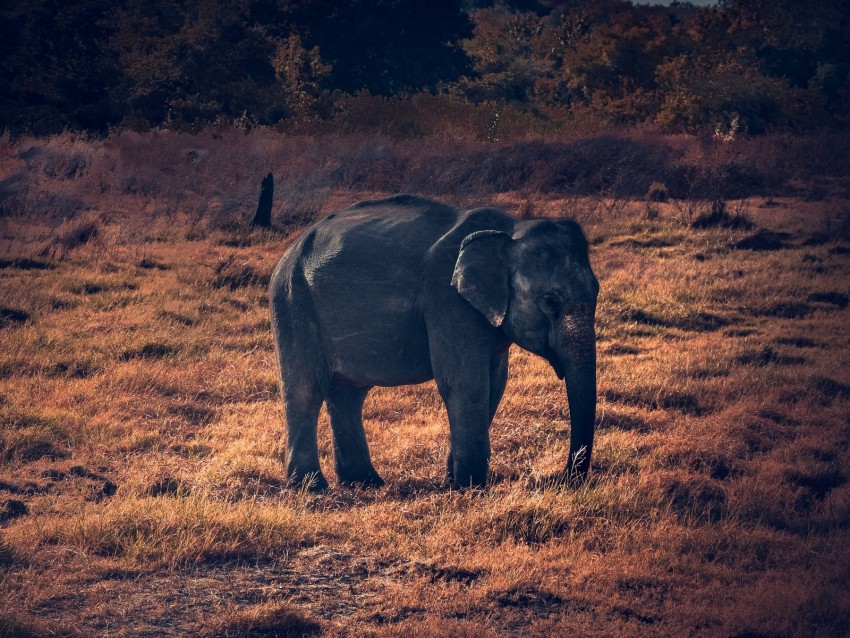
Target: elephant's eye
[550,304]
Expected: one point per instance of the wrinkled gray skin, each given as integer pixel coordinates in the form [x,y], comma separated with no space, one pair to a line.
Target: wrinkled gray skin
[402,290]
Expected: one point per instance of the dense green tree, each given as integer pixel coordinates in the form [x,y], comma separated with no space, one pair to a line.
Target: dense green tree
[726,94]
[755,64]
[190,63]
[302,74]
[612,69]
[746,65]
[805,44]
[509,55]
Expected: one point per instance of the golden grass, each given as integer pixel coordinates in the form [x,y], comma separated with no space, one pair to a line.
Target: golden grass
[141,428]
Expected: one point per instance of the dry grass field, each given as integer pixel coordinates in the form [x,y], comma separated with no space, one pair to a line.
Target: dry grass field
[142,491]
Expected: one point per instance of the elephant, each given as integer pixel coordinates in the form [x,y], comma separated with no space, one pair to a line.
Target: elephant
[402,290]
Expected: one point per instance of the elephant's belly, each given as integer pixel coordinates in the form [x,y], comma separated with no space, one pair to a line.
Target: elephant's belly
[366,360]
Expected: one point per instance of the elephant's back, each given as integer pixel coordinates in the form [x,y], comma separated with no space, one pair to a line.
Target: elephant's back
[406,222]
[371,230]
[382,235]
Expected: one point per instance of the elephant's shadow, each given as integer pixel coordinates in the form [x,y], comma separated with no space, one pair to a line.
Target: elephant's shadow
[348,496]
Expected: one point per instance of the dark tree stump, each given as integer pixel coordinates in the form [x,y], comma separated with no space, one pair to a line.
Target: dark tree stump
[263,216]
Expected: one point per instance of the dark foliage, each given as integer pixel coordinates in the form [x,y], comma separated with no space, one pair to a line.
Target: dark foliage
[718,217]
[749,66]
[13,509]
[389,46]
[57,67]
[764,239]
[12,316]
[837,299]
[150,351]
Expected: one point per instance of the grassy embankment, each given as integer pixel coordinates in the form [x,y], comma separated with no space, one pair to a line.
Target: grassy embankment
[140,478]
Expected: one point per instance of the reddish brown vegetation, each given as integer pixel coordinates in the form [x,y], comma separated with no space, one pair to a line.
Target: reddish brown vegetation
[141,487]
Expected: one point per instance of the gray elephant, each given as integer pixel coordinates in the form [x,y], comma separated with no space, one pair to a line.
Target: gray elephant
[401,290]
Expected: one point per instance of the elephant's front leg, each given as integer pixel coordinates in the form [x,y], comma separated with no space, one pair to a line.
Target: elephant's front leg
[467,399]
[469,436]
[497,381]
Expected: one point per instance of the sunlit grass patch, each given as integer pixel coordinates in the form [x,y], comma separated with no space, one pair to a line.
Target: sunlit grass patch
[620,452]
[36,350]
[29,435]
[243,471]
[719,464]
[174,532]
[534,516]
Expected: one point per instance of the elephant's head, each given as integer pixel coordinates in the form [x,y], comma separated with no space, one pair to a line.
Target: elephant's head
[538,287]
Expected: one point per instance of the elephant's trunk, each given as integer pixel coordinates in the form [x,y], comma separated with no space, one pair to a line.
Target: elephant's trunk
[577,354]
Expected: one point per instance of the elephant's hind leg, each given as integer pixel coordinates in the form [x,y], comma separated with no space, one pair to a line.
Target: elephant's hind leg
[302,403]
[351,452]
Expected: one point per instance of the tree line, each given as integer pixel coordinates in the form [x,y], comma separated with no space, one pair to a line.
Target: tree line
[744,66]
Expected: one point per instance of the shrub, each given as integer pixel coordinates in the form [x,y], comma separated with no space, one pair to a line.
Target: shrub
[657,192]
[717,216]
[167,182]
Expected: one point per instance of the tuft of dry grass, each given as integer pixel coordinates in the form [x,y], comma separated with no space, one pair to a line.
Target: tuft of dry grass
[275,619]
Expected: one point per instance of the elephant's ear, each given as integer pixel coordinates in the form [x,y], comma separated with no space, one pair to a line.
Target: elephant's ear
[481,273]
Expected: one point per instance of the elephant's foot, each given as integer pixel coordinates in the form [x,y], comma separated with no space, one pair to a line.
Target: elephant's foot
[367,478]
[578,468]
[465,477]
[574,479]
[314,482]
[471,483]
[463,473]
